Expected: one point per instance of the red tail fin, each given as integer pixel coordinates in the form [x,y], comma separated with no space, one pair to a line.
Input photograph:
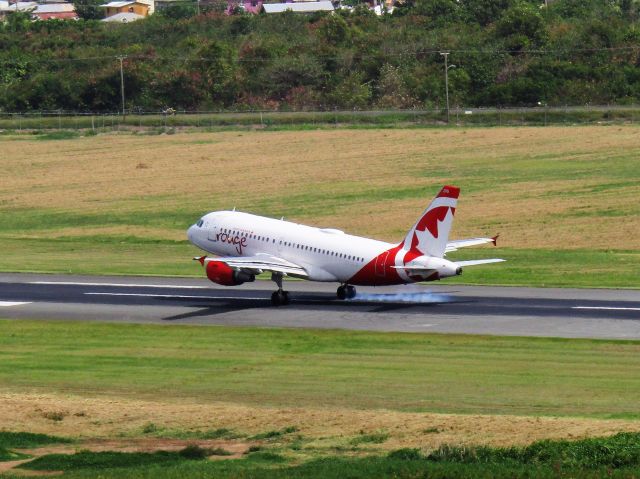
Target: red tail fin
[430,234]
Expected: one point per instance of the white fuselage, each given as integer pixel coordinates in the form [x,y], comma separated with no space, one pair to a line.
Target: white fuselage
[325,254]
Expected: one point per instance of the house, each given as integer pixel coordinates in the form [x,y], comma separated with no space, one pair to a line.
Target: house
[301,7]
[55,11]
[7,7]
[248,6]
[124,17]
[134,10]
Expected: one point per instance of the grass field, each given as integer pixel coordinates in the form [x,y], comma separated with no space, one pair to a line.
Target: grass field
[126,400]
[286,368]
[561,197]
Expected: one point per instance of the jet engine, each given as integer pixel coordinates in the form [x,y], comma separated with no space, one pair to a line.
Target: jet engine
[221,273]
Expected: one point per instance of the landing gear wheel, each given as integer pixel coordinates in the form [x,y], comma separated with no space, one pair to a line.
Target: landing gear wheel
[280,298]
[350,292]
[346,291]
[342,293]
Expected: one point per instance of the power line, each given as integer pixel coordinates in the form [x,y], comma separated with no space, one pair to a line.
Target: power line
[389,54]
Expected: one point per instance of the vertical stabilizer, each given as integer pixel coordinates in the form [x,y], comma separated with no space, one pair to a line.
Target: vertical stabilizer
[430,234]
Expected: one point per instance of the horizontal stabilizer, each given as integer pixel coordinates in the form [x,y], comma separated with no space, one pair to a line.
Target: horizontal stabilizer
[465,243]
[475,262]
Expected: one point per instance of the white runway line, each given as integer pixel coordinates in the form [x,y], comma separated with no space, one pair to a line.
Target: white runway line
[119,285]
[6,304]
[193,296]
[607,308]
[177,296]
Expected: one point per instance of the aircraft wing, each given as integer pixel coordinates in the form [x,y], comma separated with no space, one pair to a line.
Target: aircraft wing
[457,244]
[257,264]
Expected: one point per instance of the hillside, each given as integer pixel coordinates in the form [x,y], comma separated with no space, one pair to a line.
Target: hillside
[506,53]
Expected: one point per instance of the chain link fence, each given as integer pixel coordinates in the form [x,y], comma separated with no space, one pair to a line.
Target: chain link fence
[168,119]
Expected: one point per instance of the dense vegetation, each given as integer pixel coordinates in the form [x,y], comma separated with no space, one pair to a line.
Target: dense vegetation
[616,456]
[506,53]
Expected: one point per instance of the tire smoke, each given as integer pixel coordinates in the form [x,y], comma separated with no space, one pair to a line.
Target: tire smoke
[401,297]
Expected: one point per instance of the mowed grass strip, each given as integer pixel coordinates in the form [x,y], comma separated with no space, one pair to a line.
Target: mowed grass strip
[293,368]
[137,256]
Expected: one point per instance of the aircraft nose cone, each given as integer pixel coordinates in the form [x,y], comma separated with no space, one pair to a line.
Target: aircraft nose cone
[190,233]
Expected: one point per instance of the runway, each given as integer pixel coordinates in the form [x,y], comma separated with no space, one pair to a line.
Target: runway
[441,308]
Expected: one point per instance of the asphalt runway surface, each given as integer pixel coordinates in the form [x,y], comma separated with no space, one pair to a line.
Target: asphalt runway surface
[442,308]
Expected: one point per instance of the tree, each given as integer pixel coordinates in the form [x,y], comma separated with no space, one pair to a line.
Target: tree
[218,68]
[392,90]
[17,22]
[522,26]
[485,12]
[178,11]
[351,92]
[441,12]
[89,9]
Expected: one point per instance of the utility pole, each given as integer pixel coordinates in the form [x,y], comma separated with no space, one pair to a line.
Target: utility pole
[122,83]
[446,80]
[198,7]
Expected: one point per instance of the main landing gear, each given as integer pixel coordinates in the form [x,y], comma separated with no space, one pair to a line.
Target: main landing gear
[280,297]
[346,291]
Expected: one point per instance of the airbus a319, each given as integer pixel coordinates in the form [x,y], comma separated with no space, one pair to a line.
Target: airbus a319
[246,245]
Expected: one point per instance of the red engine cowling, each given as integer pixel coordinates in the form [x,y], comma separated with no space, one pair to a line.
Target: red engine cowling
[221,273]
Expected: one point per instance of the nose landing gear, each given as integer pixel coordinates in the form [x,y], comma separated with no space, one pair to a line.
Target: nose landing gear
[346,291]
[280,297]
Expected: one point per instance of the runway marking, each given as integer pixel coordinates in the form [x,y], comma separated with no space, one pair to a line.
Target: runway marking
[6,304]
[612,308]
[177,296]
[193,296]
[120,285]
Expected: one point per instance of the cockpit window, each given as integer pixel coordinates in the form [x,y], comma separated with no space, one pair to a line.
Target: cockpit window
[199,223]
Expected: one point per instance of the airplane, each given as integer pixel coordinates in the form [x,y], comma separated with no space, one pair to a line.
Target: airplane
[247,245]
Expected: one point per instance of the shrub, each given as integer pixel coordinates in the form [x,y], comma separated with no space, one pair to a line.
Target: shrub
[406,454]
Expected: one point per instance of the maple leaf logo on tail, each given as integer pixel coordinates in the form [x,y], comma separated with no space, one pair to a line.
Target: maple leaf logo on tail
[430,234]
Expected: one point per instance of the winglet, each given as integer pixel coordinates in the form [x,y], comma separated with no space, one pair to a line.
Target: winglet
[494,240]
[200,258]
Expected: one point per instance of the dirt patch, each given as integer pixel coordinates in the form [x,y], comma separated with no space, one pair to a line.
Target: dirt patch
[104,419]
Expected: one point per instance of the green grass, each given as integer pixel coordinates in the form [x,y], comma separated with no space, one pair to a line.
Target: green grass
[577,268]
[107,459]
[374,438]
[298,368]
[20,440]
[7,455]
[617,456]
[139,256]
[621,450]
[328,119]
[153,430]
